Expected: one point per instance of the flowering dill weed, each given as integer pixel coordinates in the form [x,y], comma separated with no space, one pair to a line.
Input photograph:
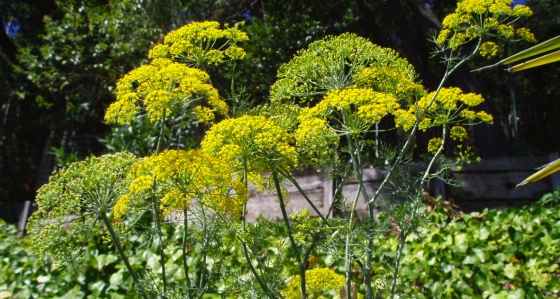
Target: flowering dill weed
[180,177]
[202,43]
[71,204]
[164,86]
[321,283]
[340,62]
[450,106]
[254,141]
[474,19]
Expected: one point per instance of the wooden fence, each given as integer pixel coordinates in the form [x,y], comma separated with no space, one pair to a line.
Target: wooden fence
[488,184]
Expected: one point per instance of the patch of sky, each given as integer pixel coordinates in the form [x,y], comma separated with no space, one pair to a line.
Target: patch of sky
[12,27]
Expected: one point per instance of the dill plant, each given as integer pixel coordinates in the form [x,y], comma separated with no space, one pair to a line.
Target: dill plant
[329,109]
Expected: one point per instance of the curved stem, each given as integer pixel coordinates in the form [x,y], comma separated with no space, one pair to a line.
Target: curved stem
[290,235]
[261,283]
[185,252]
[122,254]
[286,174]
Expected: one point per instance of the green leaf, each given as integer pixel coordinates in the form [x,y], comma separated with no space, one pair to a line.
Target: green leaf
[546,59]
[510,270]
[549,45]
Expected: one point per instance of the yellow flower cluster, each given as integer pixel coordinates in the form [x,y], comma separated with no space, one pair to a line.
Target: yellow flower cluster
[388,79]
[202,43]
[371,106]
[180,177]
[320,283]
[252,141]
[87,189]
[164,86]
[434,144]
[458,133]
[316,142]
[450,106]
[489,49]
[475,19]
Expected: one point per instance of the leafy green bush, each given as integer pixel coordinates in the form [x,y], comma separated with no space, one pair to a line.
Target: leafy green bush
[25,275]
[513,253]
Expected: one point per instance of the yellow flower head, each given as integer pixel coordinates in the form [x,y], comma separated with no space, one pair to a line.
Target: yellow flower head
[320,283]
[475,19]
[164,86]
[181,177]
[202,43]
[434,144]
[450,106]
[488,49]
[254,141]
[458,133]
[367,104]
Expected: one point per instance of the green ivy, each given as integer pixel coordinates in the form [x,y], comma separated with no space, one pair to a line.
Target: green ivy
[512,253]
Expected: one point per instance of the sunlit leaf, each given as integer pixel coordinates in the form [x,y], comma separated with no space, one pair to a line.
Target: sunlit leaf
[546,59]
[544,172]
[546,46]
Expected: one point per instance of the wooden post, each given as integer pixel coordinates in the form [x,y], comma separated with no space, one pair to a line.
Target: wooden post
[354,292]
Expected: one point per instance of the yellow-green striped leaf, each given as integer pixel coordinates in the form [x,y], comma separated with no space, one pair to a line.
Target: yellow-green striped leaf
[548,58]
[549,45]
[546,46]
[544,172]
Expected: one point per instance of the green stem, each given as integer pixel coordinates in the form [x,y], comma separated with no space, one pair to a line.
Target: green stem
[418,199]
[261,283]
[156,210]
[290,235]
[286,174]
[122,254]
[185,252]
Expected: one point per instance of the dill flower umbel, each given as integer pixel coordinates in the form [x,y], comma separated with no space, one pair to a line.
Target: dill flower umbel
[254,141]
[340,62]
[320,283]
[180,177]
[202,43]
[450,106]
[71,204]
[474,19]
[165,87]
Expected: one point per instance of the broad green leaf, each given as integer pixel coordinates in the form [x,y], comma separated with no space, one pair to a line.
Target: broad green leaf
[510,270]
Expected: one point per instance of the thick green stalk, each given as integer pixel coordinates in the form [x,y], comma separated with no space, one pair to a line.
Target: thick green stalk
[419,196]
[185,264]
[117,243]
[290,235]
[261,283]
[156,211]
